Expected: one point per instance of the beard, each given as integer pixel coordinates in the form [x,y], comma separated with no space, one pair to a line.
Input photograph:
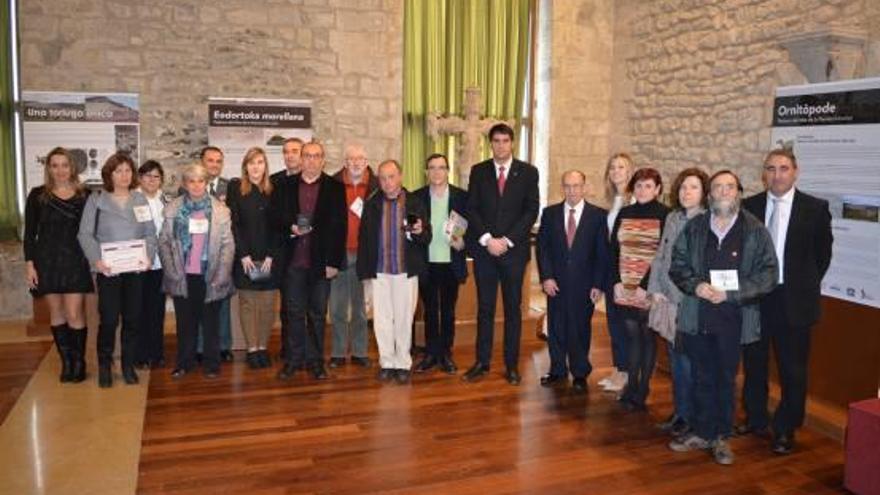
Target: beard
[725,208]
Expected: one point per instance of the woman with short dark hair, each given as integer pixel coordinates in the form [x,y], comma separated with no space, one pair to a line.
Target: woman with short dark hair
[118,214]
[151,347]
[56,267]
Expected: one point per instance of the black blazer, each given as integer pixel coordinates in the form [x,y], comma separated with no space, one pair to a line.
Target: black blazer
[584,266]
[807,255]
[329,221]
[254,235]
[511,215]
[416,255]
[457,202]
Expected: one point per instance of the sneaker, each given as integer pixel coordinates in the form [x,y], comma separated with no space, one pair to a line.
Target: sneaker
[607,380]
[363,362]
[721,452]
[618,382]
[688,443]
[336,362]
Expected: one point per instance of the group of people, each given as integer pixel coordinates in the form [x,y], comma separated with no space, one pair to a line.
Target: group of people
[714,275]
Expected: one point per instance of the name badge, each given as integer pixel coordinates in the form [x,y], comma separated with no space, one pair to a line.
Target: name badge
[357,206]
[726,280]
[198,225]
[142,213]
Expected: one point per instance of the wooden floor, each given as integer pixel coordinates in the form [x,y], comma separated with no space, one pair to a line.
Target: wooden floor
[248,433]
[17,363]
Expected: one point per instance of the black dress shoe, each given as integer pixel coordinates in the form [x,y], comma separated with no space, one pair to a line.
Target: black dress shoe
[385,375]
[363,362]
[476,372]
[551,380]
[252,359]
[512,376]
[747,429]
[105,376]
[579,384]
[129,375]
[288,371]
[318,372]
[199,357]
[401,376]
[448,366]
[263,359]
[783,444]
[426,364]
[178,373]
[227,356]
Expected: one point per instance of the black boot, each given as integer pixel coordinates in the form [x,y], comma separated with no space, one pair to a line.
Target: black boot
[78,371]
[62,334]
[105,374]
[129,374]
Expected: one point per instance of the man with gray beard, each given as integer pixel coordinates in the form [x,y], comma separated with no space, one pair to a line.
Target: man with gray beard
[723,262]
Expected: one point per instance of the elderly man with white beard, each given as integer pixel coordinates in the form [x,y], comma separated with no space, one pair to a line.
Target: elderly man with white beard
[723,262]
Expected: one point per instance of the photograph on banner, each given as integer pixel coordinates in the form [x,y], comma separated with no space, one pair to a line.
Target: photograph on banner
[237,124]
[92,126]
[834,130]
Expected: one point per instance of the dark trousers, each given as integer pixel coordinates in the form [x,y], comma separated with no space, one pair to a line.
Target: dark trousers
[307,295]
[151,340]
[791,345]
[489,271]
[119,296]
[438,288]
[569,333]
[193,312]
[282,316]
[714,360]
[641,349]
[614,319]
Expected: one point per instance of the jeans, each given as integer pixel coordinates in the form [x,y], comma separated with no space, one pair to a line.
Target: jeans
[682,383]
[307,295]
[347,312]
[715,358]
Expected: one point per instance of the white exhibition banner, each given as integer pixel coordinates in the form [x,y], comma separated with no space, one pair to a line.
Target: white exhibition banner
[238,124]
[834,129]
[92,126]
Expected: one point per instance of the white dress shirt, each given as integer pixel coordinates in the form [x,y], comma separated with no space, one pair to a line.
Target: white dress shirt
[578,211]
[784,204]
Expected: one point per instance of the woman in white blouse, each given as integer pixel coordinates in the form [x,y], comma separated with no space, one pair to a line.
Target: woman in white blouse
[151,342]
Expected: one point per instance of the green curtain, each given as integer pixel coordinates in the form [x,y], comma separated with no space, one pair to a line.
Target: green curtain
[450,45]
[9,217]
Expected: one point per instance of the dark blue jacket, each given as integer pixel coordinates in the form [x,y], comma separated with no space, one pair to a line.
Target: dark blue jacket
[585,265]
[457,201]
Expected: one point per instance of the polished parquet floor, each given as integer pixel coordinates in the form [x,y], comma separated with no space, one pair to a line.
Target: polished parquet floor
[248,433]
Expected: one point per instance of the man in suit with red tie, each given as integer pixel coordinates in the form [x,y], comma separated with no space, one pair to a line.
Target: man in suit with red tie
[502,207]
[571,255]
[800,226]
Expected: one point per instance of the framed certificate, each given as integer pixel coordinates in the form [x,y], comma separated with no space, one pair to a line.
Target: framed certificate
[125,256]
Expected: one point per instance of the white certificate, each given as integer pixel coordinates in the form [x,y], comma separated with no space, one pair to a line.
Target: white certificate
[724,279]
[125,256]
[357,206]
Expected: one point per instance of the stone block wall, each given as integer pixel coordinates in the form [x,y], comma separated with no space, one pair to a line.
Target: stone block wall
[346,55]
[693,80]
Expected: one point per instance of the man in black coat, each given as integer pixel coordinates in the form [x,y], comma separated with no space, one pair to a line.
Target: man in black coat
[447,266]
[572,259]
[310,212]
[502,207]
[800,226]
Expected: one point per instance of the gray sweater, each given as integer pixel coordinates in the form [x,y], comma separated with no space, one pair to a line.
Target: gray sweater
[103,220]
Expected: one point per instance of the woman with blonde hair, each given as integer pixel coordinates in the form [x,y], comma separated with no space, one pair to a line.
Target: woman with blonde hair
[56,267]
[256,272]
[618,171]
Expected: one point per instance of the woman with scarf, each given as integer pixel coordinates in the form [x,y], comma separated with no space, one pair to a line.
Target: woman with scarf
[196,249]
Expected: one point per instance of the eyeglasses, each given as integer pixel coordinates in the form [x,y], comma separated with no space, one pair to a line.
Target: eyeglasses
[312,156]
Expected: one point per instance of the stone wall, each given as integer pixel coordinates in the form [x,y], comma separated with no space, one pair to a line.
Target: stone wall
[346,55]
[580,106]
[15,301]
[694,79]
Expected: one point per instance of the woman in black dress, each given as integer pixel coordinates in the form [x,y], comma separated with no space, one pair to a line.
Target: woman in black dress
[56,266]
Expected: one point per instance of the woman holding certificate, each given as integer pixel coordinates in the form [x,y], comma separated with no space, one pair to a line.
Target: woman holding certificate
[118,237]
[257,246]
[56,266]
[197,249]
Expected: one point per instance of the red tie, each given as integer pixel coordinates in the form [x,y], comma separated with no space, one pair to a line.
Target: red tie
[501,181]
[572,227]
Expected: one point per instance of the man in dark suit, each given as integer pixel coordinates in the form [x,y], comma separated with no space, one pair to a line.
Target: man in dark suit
[502,207]
[800,226]
[571,254]
[291,150]
[310,211]
[447,267]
